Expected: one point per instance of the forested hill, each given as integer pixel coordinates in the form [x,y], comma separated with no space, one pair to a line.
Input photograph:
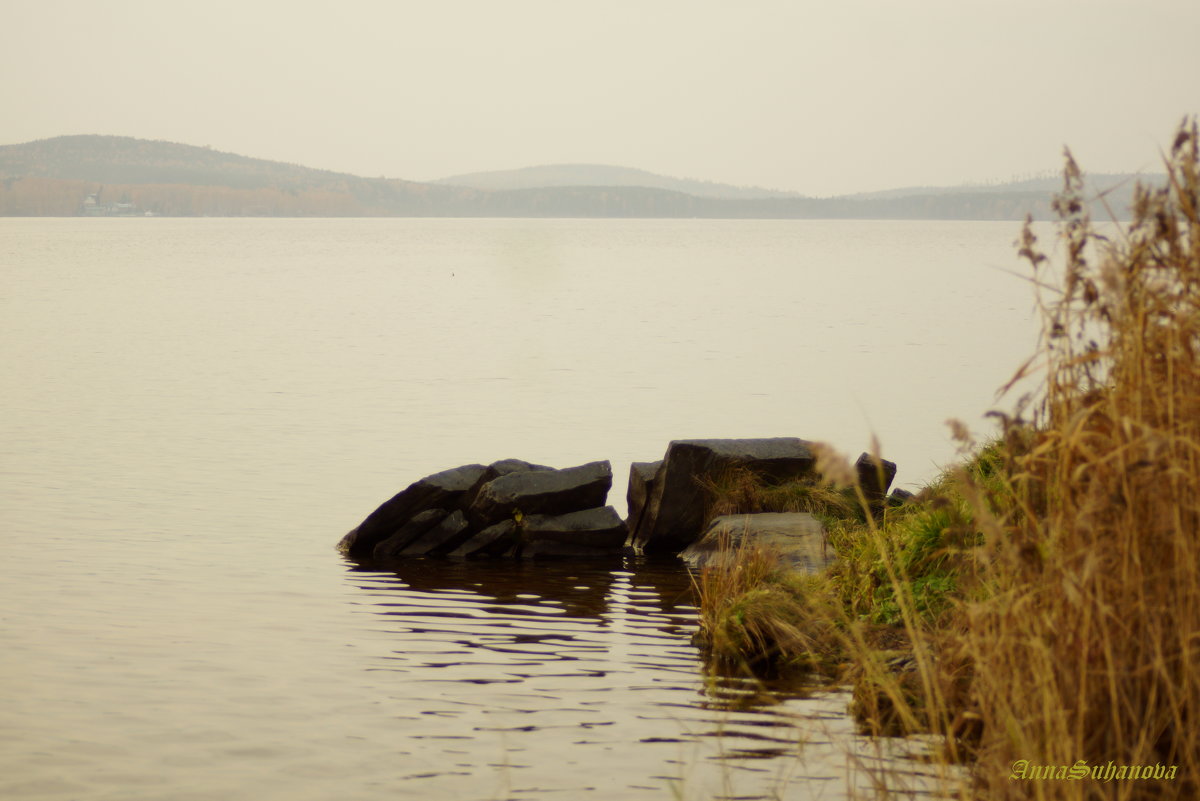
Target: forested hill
[55,176]
[122,176]
[120,159]
[596,175]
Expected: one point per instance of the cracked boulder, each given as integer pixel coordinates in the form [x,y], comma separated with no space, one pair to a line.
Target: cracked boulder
[673,513]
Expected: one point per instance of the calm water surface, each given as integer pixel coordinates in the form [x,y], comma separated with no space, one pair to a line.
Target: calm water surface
[194,411]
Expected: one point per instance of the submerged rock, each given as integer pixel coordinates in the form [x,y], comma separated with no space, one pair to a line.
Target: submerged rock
[797,537]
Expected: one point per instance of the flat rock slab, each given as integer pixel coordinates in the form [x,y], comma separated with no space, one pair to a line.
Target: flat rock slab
[494,470]
[541,492]
[798,537]
[588,531]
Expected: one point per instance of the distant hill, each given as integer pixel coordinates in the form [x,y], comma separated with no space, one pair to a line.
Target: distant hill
[55,177]
[121,159]
[122,176]
[576,175]
[1095,184]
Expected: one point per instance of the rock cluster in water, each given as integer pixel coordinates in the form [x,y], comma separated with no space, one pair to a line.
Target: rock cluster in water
[509,508]
[516,509]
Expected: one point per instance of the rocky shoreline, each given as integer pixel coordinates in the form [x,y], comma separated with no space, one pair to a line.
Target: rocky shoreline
[513,509]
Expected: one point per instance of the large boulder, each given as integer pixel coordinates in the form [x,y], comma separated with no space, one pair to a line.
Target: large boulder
[676,504]
[587,533]
[797,538]
[541,492]
[441,490]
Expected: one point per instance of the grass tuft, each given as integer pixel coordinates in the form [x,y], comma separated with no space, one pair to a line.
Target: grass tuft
[759,617]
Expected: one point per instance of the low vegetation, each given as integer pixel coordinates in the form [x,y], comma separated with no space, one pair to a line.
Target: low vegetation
[1038,605]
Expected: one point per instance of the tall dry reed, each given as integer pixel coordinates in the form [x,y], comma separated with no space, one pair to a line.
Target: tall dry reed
[1088,648]
[1076,651]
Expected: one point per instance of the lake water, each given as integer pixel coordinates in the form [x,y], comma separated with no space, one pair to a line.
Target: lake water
[194,412]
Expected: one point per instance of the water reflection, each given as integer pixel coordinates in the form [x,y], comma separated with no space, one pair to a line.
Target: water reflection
[571,679]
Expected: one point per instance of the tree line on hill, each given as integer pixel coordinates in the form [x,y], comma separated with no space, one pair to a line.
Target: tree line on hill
[55,177]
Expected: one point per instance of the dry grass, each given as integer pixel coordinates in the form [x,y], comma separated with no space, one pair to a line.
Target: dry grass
[1088,647]
[740,490]
[757,616]
[1077,637]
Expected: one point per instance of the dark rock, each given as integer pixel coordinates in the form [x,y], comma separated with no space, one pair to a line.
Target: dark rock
[899,496]
[442,538]
[642,476]
[494,470]
[590,530]
[674,512]
[874,476]
[797,537]
[541,492]
[420,524]
[441,490]
[495,540]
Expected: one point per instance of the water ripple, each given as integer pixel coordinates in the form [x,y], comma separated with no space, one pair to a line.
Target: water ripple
[592,664]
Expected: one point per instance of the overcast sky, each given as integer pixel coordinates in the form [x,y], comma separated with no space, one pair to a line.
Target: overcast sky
[820,97]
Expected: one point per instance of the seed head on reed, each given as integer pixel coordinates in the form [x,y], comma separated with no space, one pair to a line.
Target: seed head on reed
[833,466]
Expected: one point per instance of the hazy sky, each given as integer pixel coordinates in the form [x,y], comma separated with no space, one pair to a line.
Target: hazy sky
[821,97]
